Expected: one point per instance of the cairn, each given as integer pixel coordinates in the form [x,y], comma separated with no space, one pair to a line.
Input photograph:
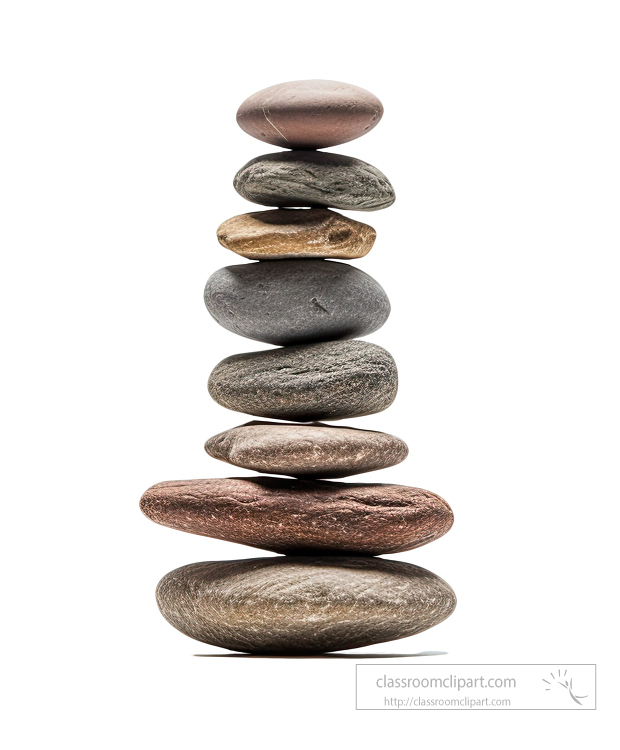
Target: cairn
[326,590]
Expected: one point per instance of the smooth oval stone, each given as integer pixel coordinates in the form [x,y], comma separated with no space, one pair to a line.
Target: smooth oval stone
[316,451]
[309,114]
[296,301]
[314,178]
[296,517]
[330,380]
[296,233]
[280,605]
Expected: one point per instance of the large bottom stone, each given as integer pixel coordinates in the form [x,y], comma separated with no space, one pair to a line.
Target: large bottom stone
[279,605]
[301,517]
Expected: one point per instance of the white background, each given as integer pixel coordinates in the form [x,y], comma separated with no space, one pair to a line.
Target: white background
[500,257]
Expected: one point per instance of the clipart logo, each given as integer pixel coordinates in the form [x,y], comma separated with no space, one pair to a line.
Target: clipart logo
[562,680]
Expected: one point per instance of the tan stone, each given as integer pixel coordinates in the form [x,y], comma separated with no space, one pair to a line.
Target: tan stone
[296,233]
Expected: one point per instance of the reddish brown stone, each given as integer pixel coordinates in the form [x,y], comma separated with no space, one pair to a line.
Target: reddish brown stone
[301,517]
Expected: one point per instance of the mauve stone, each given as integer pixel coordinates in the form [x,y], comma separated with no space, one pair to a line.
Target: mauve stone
[280,605]
[326,381]
[296,233]
[301,517]
[296,301]
[309,114]
[314,178]
[314,451]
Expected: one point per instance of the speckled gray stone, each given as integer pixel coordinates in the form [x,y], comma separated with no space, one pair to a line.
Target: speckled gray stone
[280,605]
[296,517]
[314,178]
[326,381]
[310,451]
[289,302]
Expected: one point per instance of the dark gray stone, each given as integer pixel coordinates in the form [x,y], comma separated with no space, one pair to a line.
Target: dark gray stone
[280,605]
[325,381]
[314,178]
[310,451]
[289,302]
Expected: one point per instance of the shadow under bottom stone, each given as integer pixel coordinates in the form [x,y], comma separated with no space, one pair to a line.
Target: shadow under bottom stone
[322,656]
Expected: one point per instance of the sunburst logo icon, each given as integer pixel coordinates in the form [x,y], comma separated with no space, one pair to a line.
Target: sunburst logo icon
[565,682]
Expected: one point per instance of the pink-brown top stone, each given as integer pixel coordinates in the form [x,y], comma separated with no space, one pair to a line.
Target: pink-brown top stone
[309,114]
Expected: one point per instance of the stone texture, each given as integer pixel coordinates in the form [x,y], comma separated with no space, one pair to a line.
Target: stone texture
[295,517]
[296,301]
[281,605]
[314,178]
[296,233]
[309,114]
[325,381]
[314,451]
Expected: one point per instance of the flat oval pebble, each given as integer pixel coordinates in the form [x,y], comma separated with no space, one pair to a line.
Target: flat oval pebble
[326,381]
[280,605]
[296,233]
[314,178]
[309,114]
[295,517]
[296,301]
[314,451]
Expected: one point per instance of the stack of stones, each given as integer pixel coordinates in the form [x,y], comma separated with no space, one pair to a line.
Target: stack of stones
[326,591]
